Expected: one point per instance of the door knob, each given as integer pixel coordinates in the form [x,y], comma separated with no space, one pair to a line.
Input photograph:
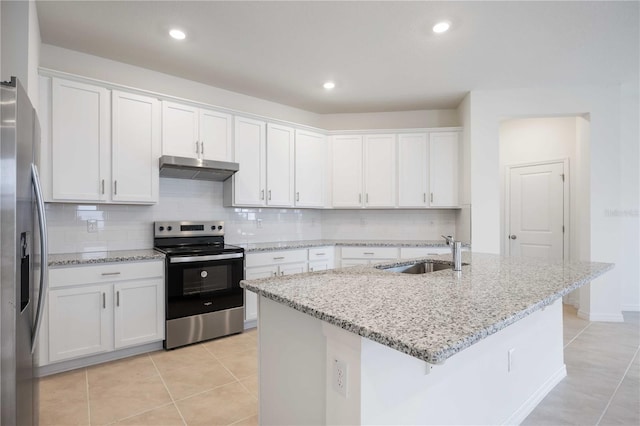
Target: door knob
[513,237]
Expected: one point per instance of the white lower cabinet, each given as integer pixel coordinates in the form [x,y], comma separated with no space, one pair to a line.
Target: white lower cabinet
[79,322]
[412,252]
[138,312]
[360,255]
[321,258]
[98,309]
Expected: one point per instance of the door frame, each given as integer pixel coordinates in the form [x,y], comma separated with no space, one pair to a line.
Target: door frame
[566,252]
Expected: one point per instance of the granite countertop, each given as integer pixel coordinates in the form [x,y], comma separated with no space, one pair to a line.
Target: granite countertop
[88,258]
[435,315]
[289,245]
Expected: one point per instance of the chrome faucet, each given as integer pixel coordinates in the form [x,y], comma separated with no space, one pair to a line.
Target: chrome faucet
[456,249]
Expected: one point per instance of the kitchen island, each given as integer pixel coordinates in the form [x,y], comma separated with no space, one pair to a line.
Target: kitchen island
[362,345]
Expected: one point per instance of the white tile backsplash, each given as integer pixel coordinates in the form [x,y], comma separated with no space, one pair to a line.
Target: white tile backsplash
[122,227]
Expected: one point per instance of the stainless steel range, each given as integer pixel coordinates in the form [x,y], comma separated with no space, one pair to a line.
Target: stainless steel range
[202,282]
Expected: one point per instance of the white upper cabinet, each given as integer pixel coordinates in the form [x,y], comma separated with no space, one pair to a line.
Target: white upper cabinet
[413,166]
[79,142]
[180,130]
[310,169]
[135,147]
[346,174]
[280,169]
[215,135]
[443,169]
[363,171]
[250,153]
[380,171]
[192,132]
[103,149]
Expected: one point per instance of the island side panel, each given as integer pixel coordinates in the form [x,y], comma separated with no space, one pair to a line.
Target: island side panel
[291,357]
[474,386]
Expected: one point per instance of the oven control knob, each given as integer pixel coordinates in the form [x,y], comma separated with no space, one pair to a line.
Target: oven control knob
[204,274]
[219,227]
[169,228]
[213,228]
[161,228]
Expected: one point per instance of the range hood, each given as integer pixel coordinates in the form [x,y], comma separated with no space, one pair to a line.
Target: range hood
[192,168]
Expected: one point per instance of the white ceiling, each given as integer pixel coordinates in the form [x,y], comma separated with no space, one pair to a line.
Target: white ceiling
[383,56]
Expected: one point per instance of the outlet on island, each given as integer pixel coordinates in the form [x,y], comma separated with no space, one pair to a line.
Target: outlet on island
[92,225]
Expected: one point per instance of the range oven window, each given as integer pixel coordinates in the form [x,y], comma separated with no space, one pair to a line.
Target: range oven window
[206,279]
[199,287]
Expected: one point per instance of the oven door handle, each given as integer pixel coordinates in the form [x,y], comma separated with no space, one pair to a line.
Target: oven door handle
[188,259]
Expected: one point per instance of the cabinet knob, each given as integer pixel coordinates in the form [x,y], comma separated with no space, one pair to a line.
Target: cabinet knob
[513,237]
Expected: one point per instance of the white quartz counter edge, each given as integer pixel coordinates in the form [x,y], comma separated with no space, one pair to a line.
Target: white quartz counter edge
[322,295]
[89,258]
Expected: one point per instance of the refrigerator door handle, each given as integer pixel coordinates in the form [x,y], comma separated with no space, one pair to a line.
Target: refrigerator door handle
[44,260]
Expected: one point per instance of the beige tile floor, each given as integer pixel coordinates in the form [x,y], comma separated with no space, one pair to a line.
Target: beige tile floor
[212,383]
[215,383]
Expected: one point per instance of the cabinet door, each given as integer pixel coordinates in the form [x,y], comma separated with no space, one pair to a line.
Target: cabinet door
[346,176]
[320,265]
[139,312]
[249,150]
[135,146]
[250,298]
[79,322]
[310,165]
[215,135]
[293,268]
[180,130]
[280,165]
[443,169]
[380,171]
[80,141]
[412,170]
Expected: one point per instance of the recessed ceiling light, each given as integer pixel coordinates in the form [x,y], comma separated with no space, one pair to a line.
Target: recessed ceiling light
[441,27]
[329,85]
[177,34]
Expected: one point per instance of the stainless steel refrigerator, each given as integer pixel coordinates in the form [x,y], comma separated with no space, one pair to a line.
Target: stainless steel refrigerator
[23,272]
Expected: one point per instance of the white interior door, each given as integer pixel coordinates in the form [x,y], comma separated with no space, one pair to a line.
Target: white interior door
[536,211]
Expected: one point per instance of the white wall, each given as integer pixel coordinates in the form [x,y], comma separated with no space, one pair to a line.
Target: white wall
[86,65]
[388,224]
[532,140]
[95,67]
[390,120]
[20,45]
[629,208]
[489,108]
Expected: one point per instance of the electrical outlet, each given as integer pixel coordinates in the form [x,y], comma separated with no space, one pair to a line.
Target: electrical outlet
[340,374]
[92,225]
[259,223]
[510,357]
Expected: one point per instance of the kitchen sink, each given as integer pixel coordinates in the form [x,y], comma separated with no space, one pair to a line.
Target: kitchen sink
[419,268]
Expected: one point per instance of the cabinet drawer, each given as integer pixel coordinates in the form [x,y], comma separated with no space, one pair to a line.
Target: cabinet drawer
[411,252]
[369,253]
[321,253]
[104,273]
[275,257]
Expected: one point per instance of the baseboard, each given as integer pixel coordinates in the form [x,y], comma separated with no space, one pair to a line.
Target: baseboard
[633,308]
[600,317]
[250,324]
[528,406]
[73,364]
